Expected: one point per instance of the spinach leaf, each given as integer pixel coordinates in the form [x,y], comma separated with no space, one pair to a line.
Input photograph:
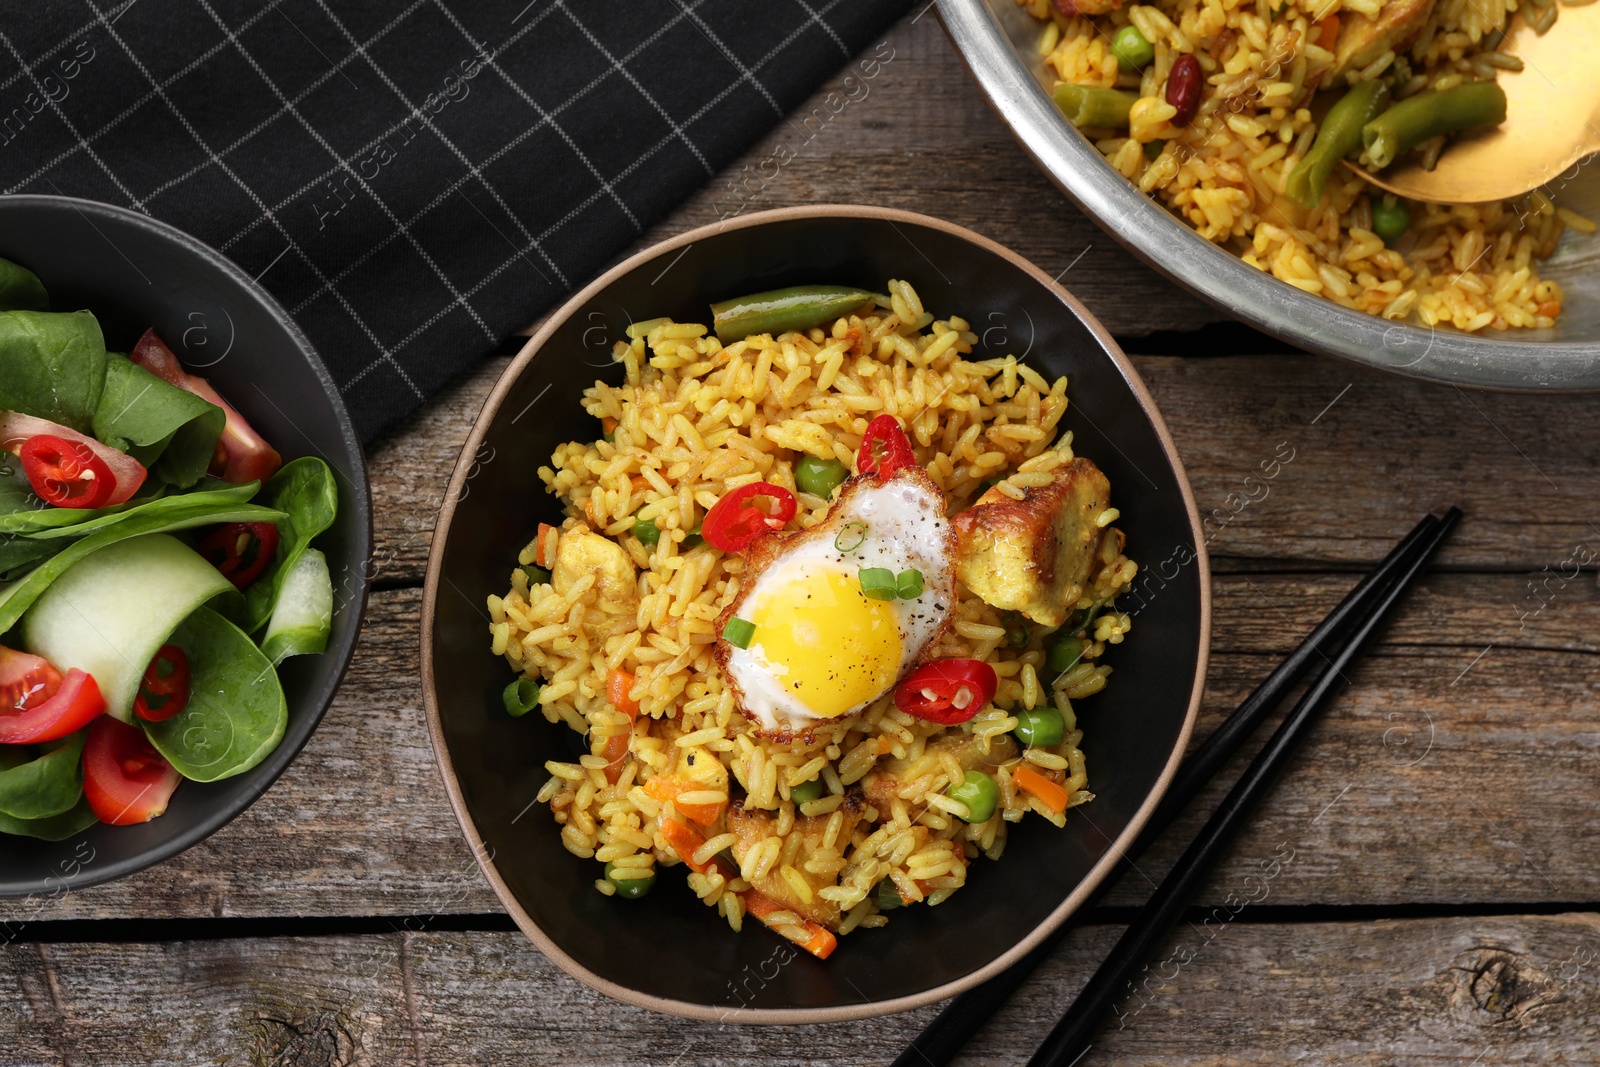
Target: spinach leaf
[222,496]
[49,785]
[18,555]
[17,597]
[20,289]
[52,366]
[56,828]
[304,490]
[236,713]
[150,418]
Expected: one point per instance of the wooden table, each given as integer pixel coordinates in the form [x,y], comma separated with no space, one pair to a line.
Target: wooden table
[1437,908]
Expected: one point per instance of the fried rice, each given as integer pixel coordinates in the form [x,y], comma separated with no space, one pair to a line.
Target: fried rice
[691,420]
[1470,266]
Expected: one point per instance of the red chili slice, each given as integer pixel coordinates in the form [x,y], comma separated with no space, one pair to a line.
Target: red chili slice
[241,550]
[731,524]
[125,780]
[885,448]
[126,473]
[38,704]
[66,474]
[165,689]
[947,691]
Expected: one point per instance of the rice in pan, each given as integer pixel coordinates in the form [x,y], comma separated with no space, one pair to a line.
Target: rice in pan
[621,629]
[1270,69]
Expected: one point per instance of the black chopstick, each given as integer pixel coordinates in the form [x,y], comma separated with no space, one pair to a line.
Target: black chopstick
[1074,1033]
[952,1028]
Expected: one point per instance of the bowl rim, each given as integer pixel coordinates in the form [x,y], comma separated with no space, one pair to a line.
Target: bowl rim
[1169,246]
[491,409]
[294,739]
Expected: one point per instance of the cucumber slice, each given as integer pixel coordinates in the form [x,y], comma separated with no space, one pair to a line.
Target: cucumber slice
[19,595]
[303,617]
[110,612]
[236,713]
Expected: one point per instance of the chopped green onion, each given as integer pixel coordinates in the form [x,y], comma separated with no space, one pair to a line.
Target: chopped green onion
[888,895]
[1017,632]
[738,632]
[610,436]
[851,536]
[646,531]
[535,576]
[908,584]
[879,583]
[694,540]
[521,697]
[1063,655]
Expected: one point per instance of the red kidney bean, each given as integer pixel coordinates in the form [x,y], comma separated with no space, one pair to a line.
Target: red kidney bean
[1066,7]
[1183,89]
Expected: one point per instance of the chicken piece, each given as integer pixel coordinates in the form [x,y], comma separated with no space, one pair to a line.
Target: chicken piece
[579,553]
[1363,38]
[884,784]
[752,826]
[1035,555]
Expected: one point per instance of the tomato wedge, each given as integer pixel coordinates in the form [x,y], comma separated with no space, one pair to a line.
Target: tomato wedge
[38,704]
[241,550]
[165,689]
[125,780]
[732,523]
[68,468]
[885,448]
[947,691]
[242,454]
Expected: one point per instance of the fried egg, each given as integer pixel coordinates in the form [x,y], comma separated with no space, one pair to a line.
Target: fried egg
[822,649]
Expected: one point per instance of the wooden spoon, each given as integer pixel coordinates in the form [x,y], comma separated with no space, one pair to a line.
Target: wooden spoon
[1552,121]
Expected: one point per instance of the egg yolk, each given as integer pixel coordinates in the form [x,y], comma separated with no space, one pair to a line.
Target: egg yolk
[828,643]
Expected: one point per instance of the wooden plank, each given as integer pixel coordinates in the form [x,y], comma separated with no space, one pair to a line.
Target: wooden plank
[1430,752]
[1369,454]
[911,130]
[1416,993]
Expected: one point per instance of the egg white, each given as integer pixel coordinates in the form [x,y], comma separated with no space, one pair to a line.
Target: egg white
[906,529]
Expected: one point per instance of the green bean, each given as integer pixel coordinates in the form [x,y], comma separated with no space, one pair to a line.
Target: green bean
[819,477]
[1338,136]
[1085,105]
[628,888]
[799,307]
[1417,118]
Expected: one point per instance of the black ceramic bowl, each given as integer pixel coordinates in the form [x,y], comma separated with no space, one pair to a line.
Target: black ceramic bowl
[666,951]
[135,273]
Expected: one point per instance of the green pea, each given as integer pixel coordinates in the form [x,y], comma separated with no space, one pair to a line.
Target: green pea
[1064,654]
[1041,727]
[1132,49]
[629,888]
[979,793]
[647,532]
[1390,219]
[806,792]
[819,477]
[888,895]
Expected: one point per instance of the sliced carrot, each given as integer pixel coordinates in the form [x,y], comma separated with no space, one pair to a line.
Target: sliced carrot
[685,840]
[1549,309]
[608,424]
[615,752]
[1031,781]
[672,786]
[543,545]
[1327,32]
[619,684]
[819,941]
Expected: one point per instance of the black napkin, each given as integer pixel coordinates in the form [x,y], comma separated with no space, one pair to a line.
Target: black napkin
[414,181]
